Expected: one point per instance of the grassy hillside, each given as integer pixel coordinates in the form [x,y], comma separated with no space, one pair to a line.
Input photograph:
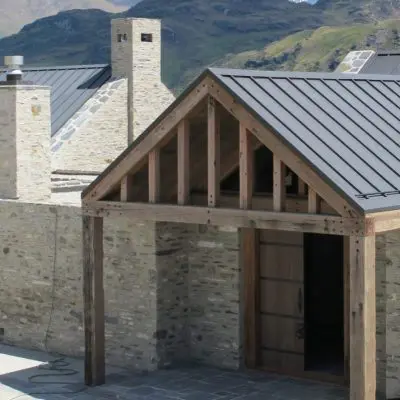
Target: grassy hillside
[318,50]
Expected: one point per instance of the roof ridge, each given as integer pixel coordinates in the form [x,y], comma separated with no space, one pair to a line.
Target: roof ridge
[303,75]
[59,67]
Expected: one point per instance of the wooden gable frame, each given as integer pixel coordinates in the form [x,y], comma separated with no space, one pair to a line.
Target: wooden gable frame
[350,222]
[146,149]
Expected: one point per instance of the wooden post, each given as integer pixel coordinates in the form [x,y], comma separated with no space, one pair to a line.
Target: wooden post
[346,308]
[301,189]
[183,162]
[251,288]
[362,318]
[93,296]
[213,146]
[126,188]
[279,189]
[245,167]
[314,202]
[154,176]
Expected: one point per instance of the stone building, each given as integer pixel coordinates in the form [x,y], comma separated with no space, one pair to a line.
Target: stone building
[97,110]
[253,223]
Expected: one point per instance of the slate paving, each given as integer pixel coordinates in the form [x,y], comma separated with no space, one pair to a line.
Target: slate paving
[28,375]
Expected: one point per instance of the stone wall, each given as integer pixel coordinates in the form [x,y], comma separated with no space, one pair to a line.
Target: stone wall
[96,134]
[388,313]
[171,289]
[214,296]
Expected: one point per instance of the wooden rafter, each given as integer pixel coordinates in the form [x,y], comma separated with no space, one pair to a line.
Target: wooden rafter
[278,148]
[213,146]
[297,222]
[246,161]
[183,162]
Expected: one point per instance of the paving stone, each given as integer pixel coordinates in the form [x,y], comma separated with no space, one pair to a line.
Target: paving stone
[143,391]
[199,396]
[244,389]
[186,383]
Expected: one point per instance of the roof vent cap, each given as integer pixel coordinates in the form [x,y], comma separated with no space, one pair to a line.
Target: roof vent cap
[13,64]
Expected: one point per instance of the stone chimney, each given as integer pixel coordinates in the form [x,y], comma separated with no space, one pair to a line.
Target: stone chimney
[25,169]
[136,55]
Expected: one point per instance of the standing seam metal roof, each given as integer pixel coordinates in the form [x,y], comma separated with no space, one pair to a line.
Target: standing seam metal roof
[345,127]
[383,63]
[71,87]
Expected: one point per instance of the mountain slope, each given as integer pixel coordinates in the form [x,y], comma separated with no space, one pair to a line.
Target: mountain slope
[14,14]
[318,50]
[196,33]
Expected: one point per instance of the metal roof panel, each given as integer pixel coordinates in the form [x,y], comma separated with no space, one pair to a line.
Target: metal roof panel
[71,87]
[383,63]
[345,127]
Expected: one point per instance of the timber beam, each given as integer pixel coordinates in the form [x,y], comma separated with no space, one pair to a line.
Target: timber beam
[297,222]
[385,221]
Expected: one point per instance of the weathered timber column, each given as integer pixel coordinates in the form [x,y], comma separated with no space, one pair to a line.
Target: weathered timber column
[213,153]
[362,318]
[93,300]
[246,166]
[251,287]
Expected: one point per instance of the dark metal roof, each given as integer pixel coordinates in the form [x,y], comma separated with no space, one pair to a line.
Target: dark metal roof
[387,63]
[71,87]
[346,127]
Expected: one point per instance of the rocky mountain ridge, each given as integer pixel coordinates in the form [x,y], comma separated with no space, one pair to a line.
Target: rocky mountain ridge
[195,33]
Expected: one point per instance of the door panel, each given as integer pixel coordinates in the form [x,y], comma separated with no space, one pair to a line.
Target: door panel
[282,300]
[281,261]
[274,337]
[285,362]
[273,301]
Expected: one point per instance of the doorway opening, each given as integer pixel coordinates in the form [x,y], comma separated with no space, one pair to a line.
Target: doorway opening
[324,304]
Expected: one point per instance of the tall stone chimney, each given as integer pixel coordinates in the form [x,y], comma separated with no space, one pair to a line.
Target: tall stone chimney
[25,168]
[136,55]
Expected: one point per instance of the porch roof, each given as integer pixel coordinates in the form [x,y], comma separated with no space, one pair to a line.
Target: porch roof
[344,127]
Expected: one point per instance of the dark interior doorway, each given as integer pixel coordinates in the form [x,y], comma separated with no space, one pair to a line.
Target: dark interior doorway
[323,290]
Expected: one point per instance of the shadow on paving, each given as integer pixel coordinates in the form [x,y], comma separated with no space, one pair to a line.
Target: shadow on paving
[27,375]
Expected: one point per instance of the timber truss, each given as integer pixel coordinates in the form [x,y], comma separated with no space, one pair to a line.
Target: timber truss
[114,194]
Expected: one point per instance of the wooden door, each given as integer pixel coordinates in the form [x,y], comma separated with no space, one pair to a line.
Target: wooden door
[282,301]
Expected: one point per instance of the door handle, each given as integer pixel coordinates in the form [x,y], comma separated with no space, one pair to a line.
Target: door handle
[300,301]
